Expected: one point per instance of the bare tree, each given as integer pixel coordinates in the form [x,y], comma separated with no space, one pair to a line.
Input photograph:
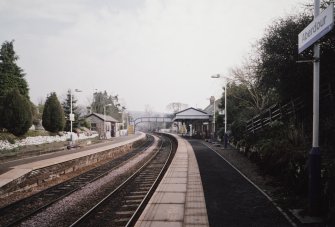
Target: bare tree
[246,75]
[176,107]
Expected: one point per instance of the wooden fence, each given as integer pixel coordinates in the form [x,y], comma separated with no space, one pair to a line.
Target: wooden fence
[275,112]
[282,112]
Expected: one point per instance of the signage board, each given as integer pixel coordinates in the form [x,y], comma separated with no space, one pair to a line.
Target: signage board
[320,26]
[71,117]
[130,129]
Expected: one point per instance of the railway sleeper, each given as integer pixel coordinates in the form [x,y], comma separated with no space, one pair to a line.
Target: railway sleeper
[121,221]
[144,188]
[136,202]
[124,214]
[142,192]
[134,197]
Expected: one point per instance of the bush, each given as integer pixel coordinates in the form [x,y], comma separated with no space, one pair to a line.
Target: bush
[16,116]
[281,152]
[53,119]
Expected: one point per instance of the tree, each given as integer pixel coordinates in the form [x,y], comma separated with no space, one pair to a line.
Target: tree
[11,75]
[101,99]
[278,69]
[176,106]
[247,76]
[17,116]
[1,111]
[239,108]
[53,119]
[36,116]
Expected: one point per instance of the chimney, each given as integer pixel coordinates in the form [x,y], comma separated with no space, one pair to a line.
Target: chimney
[212,100]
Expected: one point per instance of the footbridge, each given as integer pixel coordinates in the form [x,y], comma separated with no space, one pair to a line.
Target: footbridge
[152,119]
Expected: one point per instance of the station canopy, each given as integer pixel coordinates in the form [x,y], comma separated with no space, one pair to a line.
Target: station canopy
[192,114]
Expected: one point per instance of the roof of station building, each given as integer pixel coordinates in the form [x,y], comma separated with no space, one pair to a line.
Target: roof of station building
[102,117]
[191,114]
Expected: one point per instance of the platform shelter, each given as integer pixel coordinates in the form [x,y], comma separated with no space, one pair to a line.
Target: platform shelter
[193,122]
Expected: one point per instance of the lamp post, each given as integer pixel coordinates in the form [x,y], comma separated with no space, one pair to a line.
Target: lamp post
[71,116]
[105,118]
[216,76]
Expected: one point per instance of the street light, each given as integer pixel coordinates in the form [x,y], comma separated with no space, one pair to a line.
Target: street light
[216,76]
[71,111]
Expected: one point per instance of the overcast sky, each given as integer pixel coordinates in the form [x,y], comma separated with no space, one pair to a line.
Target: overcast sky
[149,52]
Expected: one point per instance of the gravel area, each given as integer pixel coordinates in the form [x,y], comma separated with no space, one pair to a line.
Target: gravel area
[76,203]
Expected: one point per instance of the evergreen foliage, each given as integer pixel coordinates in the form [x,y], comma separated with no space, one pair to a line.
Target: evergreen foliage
[101,99]
[1,111]
[53,119]
[17,116]
[11,75]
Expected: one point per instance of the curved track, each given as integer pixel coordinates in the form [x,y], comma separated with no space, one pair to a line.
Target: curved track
[123,206]
[15,213]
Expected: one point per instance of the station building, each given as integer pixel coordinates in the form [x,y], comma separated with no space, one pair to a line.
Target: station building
[196,122]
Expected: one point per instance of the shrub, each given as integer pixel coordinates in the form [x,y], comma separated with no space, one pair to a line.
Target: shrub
[16,116]
[53,119]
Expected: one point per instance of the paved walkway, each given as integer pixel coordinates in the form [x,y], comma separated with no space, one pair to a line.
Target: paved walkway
[15,169]
[179,199]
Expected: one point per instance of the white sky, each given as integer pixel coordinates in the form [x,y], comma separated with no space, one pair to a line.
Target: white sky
[149,52]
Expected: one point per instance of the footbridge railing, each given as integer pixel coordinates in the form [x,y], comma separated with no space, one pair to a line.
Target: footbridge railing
[151,119]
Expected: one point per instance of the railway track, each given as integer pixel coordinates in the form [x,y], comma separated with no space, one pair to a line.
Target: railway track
[16,212]
[123,206]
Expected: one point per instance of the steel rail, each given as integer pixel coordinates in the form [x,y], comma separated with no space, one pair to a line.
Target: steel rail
[62,194]
[129,180]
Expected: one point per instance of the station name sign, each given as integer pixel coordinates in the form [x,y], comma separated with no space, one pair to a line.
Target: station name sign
[320,26]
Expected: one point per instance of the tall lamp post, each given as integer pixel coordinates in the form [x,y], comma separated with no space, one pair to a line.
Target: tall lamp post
[216,76]
[71,117]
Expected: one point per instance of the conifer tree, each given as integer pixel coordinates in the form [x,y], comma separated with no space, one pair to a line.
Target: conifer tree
[17,116]
[11,75]
[53,119]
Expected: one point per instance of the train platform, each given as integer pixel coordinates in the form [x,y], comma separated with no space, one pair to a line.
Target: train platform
[17,170]
[179,199]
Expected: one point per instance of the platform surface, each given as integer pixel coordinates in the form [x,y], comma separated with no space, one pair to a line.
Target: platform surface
[179,199]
